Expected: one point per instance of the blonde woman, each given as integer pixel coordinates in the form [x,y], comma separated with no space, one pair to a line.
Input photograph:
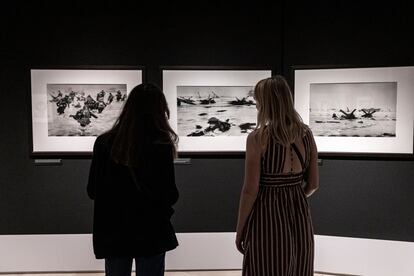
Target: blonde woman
[274,228]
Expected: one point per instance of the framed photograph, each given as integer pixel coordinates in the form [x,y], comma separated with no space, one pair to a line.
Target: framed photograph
[359,112]
[71,107]
[212,110]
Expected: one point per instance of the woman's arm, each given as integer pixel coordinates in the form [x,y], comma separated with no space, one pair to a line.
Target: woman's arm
[170,192]
[312,181]
[250,186]
[161,174]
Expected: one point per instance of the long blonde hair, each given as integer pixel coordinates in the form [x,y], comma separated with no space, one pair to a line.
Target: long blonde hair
[277,117]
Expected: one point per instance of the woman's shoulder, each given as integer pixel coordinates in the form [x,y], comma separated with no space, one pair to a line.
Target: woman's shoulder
[103,141]
[253,136]
[254,141]
[306,130]
[104,138]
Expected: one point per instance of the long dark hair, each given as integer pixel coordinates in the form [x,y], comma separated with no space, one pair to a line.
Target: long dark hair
[143,121]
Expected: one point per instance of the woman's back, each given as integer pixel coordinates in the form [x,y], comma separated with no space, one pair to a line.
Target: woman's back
[132,184]
[127,221]
[278,159]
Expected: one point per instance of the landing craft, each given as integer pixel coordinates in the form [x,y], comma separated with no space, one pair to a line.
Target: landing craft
[185,100]
[208,100]
[242,101]
[368,112]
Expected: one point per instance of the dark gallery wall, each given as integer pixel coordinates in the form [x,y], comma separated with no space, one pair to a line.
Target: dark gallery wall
[358,198]
[52,199]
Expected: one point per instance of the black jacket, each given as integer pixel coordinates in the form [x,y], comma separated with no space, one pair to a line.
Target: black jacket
[129,222]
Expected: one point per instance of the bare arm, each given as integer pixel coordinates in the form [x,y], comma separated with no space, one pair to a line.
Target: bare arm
[250,187]
[312,181]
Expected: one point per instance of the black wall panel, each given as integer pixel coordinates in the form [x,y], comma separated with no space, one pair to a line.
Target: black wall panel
[369,199]
[357,198]
[52,199]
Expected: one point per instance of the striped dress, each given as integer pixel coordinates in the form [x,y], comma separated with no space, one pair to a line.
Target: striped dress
[279,235]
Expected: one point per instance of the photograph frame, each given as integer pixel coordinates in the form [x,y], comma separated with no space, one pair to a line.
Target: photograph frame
[302,75]
[86,148]
[206,152]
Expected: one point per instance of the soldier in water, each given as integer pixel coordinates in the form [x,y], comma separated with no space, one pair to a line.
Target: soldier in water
[83,116]
[61,106]
[80,96]
[118,95]
[110,98]
[72,95]
[100,96]
[101,106]
[56,98]
[90,102]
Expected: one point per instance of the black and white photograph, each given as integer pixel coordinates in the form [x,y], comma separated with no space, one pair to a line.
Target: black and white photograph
[353,109]
[83,109]
[357,112]
[71,107]
[215,110]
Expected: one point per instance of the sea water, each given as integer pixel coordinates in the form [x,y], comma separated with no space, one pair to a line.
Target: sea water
[189,116]
[382,124]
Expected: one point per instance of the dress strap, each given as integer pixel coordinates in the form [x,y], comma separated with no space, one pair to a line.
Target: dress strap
[302,163]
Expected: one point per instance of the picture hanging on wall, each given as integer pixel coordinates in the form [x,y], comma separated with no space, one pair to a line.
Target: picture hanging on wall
[71,107]
[358,111]
[212,110]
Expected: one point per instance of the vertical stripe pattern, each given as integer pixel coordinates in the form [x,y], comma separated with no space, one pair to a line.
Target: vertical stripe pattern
[279,234]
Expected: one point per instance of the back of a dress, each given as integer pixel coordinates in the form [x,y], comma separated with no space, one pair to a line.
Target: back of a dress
[274,158]
[279,233]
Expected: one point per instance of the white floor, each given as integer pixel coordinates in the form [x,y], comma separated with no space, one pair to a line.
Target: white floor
[175,273]
[211,273]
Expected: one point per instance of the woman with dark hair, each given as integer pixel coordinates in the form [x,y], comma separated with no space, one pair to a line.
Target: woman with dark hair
[274,229]
[132,183]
